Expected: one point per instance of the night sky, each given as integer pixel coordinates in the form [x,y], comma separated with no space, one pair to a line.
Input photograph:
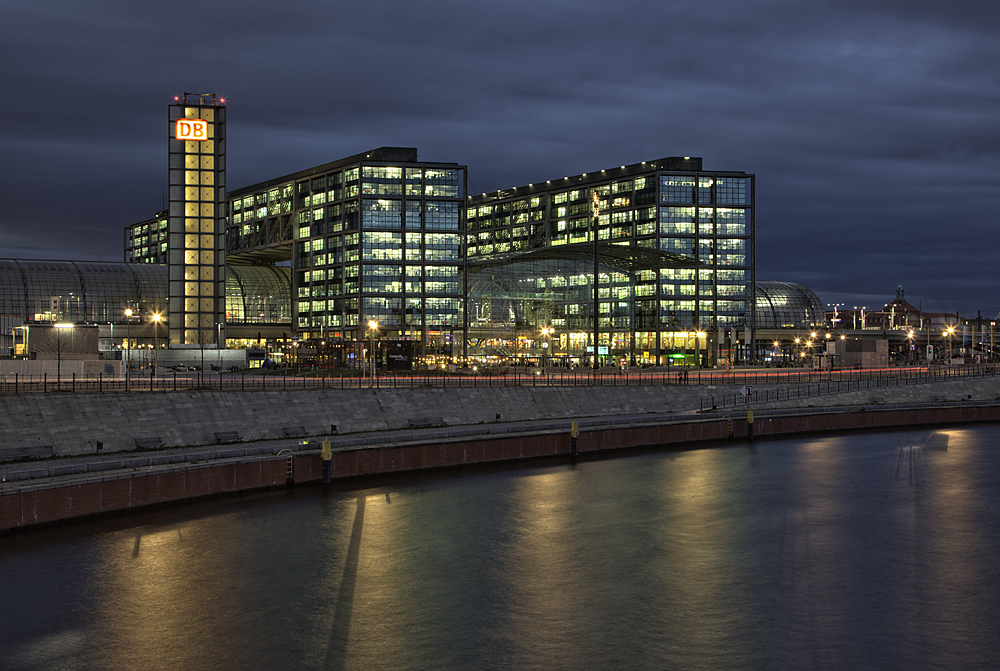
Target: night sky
[872,126]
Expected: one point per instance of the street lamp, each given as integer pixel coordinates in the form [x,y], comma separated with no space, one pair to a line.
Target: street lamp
[128,343]
[156,335]
[373,325]
[60,343]
[547,331]
[835,319]
[697,347]
[949,332]
[595,200]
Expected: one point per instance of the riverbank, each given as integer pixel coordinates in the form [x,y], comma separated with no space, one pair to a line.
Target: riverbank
[427,433]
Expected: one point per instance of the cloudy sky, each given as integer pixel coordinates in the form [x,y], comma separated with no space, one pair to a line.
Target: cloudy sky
[871,125]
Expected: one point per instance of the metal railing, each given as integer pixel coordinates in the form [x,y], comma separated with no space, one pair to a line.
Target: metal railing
[797,383]
[839,386]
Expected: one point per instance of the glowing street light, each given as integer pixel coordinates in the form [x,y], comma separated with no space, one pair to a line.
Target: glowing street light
[60,344]
[373,325]
[595,200]
[156,335]
[128,343]
[547,331]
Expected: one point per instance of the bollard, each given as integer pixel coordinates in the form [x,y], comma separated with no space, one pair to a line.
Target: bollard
[326,456]
[749,424]
[574,434]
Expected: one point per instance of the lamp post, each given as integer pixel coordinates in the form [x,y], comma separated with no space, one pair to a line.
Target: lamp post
[128,343]
[595,200]
[949,333]
[156,335]
[697,347]
[60,343]
[547,331]
[373,325]
[835,319]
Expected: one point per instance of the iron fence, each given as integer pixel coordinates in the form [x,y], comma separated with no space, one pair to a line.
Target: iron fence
[797,384]
[839,386]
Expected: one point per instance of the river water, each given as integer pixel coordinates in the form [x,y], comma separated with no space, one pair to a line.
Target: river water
[854,551]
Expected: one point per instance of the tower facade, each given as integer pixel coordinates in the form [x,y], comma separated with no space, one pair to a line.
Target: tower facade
[196,220]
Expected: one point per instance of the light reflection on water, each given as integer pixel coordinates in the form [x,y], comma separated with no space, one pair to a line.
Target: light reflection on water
[848,551]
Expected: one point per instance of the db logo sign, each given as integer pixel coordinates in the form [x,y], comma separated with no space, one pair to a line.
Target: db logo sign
[191,129]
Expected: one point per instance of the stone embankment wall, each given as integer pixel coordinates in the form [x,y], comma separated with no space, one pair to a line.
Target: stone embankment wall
[94,493]
[73,424]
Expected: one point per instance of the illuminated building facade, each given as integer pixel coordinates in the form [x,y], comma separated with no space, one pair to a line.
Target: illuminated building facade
[146,242]
[375,237]
[646,314]
[196,220]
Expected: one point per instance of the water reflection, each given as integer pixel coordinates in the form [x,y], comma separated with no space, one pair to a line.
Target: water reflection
[849,551]
[336,653]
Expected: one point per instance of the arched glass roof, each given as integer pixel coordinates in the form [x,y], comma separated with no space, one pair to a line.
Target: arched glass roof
[782,305]
[100,292]
[258,295]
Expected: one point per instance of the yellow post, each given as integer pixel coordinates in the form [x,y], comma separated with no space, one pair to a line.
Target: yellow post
[326,455]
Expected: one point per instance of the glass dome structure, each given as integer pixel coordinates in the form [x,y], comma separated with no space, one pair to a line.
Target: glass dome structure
[786,305]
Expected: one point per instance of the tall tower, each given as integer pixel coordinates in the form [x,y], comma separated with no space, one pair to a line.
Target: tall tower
[196,253]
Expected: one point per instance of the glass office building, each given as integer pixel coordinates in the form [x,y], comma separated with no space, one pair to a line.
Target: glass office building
[652,313]
[382,244]
[375,237]
[146,242]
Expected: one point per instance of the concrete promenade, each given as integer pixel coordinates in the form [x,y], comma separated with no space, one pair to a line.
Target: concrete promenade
[386,430]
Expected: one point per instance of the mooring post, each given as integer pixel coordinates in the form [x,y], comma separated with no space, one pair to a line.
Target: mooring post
[749,423]
[326,456]
[574,434]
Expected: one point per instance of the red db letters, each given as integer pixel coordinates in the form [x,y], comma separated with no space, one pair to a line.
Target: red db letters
[191,129]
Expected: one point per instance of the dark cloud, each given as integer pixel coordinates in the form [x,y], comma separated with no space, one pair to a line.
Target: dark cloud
[871,126]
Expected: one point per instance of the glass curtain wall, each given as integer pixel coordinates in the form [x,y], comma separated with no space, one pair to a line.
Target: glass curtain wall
[381,243]
[664,314]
